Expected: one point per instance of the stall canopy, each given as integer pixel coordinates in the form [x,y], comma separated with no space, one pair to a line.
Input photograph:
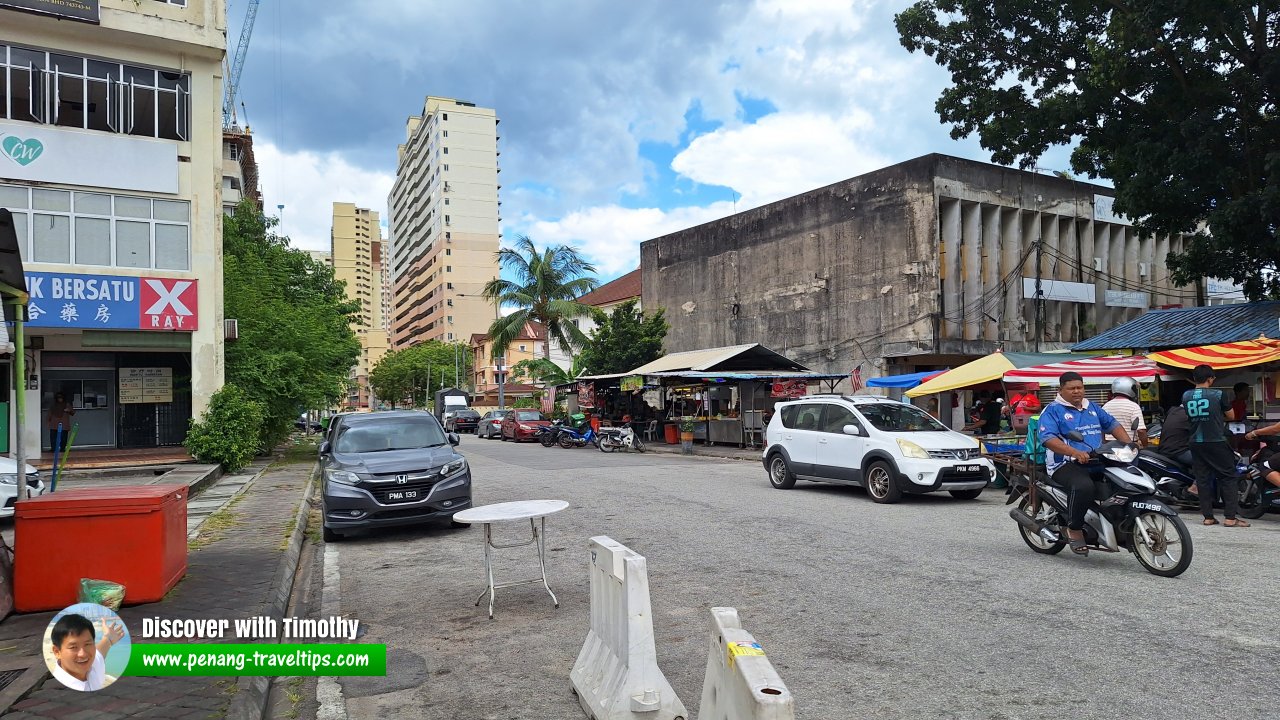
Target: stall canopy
[722,359]
[1095,370]
[986,369]
[909,380]
[1222,357]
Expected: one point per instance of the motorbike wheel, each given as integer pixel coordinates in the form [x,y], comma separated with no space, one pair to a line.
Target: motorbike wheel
[640,445]
[566,442]
[606,446]
[1033,540]
[1169,554]
[547,439]
[1252,503]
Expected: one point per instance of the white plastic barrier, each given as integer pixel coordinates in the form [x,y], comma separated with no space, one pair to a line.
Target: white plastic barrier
[741,683]
[616,676]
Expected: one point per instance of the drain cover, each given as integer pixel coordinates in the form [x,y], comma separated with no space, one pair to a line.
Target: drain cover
[8,676]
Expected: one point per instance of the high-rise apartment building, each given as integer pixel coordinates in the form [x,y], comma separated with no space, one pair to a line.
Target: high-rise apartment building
[444,223]
[358,258]
[112,162]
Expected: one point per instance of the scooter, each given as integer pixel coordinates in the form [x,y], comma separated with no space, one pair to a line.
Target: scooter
[548,434]
[619,438]
[570,438]
[1131,517]
[1174,480]
[1258,495]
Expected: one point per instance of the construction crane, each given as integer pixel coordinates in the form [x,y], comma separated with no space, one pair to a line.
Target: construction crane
[237,65]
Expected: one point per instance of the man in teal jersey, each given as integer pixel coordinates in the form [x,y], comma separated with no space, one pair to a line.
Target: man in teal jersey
[1212,459]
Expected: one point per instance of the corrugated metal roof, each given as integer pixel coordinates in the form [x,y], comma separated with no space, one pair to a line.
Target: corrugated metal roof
[1185,327]
[756,355]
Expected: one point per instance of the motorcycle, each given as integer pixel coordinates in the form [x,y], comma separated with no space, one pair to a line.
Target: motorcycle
[1132,517]
[622,437]
[569,437]
[1174,480]
[548,435]
[1257,494]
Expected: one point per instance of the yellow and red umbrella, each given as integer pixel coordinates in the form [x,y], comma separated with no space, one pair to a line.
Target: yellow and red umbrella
[1222,357]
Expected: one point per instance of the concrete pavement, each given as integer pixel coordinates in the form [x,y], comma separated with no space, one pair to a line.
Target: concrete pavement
[930,608]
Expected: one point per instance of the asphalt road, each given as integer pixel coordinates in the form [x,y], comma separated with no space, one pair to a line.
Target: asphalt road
[930,608]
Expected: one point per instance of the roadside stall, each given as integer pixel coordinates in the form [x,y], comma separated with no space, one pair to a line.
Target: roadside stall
[988,369]
[1255,363]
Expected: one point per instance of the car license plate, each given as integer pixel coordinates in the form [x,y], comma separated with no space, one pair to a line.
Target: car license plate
[401,495]
[969,468]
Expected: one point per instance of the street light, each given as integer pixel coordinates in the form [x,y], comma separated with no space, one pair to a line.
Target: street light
[498,370]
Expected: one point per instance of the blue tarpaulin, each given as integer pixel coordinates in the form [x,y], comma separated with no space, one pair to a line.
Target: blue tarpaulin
[907,381]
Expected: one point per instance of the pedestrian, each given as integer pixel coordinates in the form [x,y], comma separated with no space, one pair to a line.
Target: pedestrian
[991,414]
[60,413]
[933,407]
[1212,459]
[1124,407]
[1175,436]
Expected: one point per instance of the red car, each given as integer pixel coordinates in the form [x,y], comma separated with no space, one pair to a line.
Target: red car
[522,424]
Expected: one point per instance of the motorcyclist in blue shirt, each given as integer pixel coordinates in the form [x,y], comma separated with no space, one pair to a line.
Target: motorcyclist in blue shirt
[1067,460]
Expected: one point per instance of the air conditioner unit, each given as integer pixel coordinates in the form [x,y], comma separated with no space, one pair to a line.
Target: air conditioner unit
[1098,264]
[1143,269]
[231,329]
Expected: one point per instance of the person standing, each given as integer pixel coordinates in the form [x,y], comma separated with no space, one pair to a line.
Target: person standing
[1124,407]
[60,413]
[1212,460]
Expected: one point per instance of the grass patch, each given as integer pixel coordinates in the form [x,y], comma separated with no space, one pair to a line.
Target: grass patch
[289,527]
[217,524]
[300,451]
[294,693]
[313,525]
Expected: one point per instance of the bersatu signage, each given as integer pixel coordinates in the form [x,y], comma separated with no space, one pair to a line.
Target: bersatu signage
[120,302]
[78,157]
[85,10]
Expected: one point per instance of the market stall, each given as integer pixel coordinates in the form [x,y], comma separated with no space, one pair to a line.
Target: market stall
[1252,362]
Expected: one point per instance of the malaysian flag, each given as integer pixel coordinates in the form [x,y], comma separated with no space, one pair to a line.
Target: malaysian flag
[855,379]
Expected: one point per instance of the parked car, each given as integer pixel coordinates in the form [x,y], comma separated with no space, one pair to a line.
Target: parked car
[890,448]
[462,420]
[306,425]
[490,426]
[391,468]
[521,425]
[9,484]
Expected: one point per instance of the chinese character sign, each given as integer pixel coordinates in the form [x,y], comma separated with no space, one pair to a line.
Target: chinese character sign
[116,302]
[789,389]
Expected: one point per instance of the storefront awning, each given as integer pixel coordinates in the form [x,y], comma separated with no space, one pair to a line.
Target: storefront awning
[1095,370]
[1222,357]
[986,369]
[908,380]
[747,375]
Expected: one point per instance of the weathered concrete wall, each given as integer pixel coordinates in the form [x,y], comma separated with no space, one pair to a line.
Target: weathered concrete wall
[822,277]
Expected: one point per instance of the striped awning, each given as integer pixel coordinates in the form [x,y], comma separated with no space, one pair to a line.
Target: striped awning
[1222,357]
[1095,370]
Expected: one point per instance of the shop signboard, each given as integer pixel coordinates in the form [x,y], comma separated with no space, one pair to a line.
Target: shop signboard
[113,302]
[632,383]
[46,154]
[586,394]
[146,385]
[790,389]
[82,10]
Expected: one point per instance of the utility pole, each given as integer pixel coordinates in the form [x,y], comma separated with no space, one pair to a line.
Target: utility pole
[1039,306]
[502,384]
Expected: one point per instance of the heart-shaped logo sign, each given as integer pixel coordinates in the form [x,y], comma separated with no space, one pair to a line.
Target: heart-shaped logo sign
[23,152]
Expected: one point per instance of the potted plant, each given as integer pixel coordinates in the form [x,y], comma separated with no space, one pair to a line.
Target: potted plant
[686,435]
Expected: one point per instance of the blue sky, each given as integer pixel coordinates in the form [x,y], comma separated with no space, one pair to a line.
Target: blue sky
[620,122]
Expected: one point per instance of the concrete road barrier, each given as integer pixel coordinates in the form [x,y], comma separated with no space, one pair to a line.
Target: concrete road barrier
[741,683]
[616,676]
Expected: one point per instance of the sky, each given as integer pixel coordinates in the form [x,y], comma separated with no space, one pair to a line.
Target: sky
[620,122]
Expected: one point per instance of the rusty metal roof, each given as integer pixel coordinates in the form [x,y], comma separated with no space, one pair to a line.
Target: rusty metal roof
[1187,327]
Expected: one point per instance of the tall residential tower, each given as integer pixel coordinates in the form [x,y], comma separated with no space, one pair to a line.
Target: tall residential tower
[444,223]
[357,257]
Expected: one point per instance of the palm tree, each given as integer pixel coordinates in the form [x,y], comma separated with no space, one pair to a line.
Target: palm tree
[545,290]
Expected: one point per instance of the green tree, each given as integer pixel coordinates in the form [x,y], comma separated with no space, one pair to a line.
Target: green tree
[626,340]
[1175,101]
[415,373]
[296,347]
[542,370]
[545,291]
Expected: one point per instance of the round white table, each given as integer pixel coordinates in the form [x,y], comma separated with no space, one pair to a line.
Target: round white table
[536,512]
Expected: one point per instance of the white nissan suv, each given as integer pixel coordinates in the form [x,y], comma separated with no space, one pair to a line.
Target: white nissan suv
[888,447]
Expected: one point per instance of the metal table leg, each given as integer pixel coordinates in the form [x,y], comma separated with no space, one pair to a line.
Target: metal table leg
[539,538]
[542,556]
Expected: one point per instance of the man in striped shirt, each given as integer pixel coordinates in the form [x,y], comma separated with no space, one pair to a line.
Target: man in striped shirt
[1124,407]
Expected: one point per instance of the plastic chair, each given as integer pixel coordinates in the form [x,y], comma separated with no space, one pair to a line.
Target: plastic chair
[651,430]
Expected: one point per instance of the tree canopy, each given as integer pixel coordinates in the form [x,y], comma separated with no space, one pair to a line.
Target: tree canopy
[296,346]
[1174,101]
[542,370]
[413,375]
[545,291]
[625,340]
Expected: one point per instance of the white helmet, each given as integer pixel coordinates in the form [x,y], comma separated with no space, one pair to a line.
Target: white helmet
[1126,386]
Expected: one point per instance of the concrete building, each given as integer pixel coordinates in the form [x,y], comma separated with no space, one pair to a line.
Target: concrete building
[321,256]
[444,223]
[486,370]
[110,116]
[239,169]
[357,256]
[920,265]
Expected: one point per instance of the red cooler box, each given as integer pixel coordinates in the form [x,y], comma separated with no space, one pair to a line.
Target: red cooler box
[134,535]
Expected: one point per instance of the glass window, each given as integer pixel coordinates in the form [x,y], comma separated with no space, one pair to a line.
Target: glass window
[836,418]
[57,200]
[91,204]
[898,417]
[802,417]
[139,76]
[13,197]
[20,223]
[4,86]
[68,88]
[133,207]
[172,247]
[170,122]
[93,241]
[142,112]
[133,244]
[52,238]
[172,211]
[103,109]
[26,84]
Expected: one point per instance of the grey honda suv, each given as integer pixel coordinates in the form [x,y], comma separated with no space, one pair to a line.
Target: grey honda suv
[391,468]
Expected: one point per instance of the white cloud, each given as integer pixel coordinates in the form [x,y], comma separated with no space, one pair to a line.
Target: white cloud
[781,155]
[611,235]
[308,184]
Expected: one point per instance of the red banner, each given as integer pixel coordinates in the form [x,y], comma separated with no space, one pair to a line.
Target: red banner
[790,389]
[586,394]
